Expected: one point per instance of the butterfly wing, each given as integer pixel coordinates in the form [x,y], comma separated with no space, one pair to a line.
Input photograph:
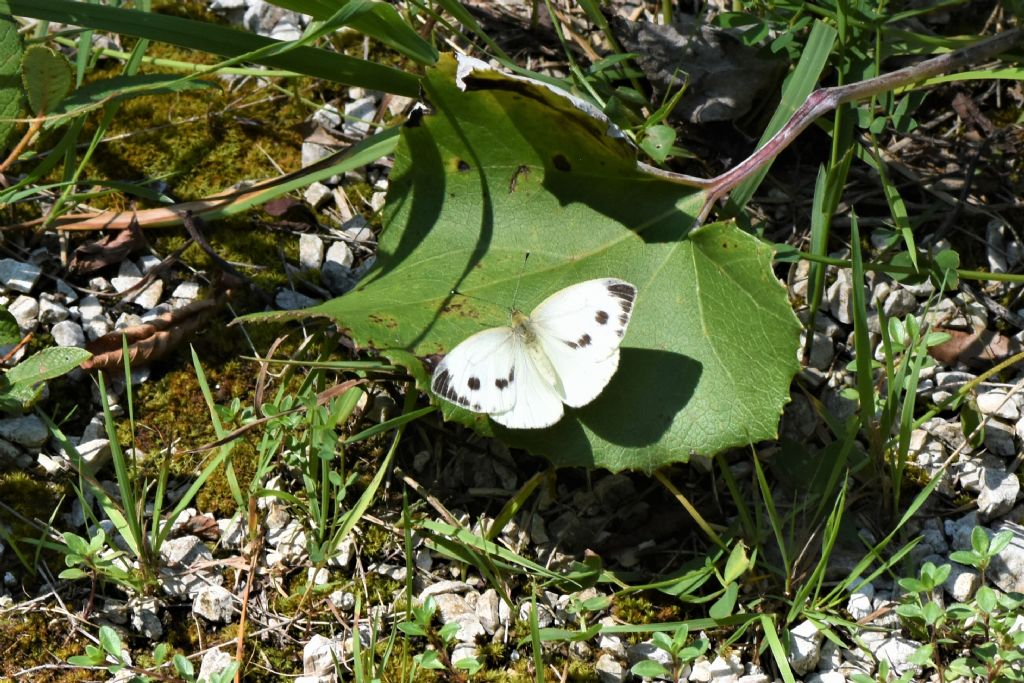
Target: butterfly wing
[479,373]
[579,329]
[536,402]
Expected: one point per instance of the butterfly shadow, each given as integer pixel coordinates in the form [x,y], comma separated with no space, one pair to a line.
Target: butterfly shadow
[636,411]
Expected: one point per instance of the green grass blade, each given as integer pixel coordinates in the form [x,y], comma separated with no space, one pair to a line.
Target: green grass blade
[798,86]
[377,20]
[865,386]
[220,40]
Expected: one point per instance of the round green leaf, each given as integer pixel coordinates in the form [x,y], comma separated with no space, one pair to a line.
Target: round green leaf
[10,65]
[506,167]
[47,78]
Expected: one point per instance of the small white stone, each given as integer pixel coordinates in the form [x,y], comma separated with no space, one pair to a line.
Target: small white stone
[859,604]
[214,661]
[311,251]
[186,290]
[18,276]
[962,582]
[68,333]
[609,670]
[320,653]
[214,603]
[95,454]
[804,647]
[25,310]
[147,263]
[97,327]
[89,308]
[899,303]
[358,115]
[327,116]
[150,294]
[100,284]
[996,403]
[51,311]
[316,194]
[357,229]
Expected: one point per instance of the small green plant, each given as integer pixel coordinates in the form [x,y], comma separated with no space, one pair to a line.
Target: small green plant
[678,650]
[21,386]
[110,654]
[982,635]
[92,558]
[441,641]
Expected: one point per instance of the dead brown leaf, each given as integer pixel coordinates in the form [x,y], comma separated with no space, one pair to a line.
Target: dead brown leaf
[152,340]
[979,348]
[111,249]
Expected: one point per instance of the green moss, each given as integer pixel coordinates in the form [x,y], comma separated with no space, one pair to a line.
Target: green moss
[35,638]
[31,498]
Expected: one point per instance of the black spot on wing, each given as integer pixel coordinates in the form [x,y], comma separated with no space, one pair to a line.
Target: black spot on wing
[584,340]
[501,383]
[572,344]
[511,375]
[442,386]
[473,383]
[625,293]
[601,318]
[623,319]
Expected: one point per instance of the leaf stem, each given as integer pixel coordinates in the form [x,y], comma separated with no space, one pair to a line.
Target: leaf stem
[824,100]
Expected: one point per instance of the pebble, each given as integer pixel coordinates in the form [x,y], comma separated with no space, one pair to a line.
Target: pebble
[897,651]
[320,653]
[188,291]
[364,108]
[178,578]
[100,284]
[147,262]
[18,276]
[290,300]
[145,618]
[150,294]
[804,647]
[456,609]
[96,327]
[51,311]
[1007,568]
[214,603]
[999,438]
[859,604]
[962,582]
[822,351]
[899,303]
[645,651]
[357,229]
[840,297]
[128,275]
[28,431]
[997,404]
[327,116]
[90,307]
[214,662]
[317,194]
[337,271]
[68,333]
[311,251]
[609,670]
[25,310]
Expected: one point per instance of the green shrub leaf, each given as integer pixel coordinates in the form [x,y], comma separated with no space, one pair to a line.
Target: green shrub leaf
[10,333]
[10,88]
[508,167]
[47,78]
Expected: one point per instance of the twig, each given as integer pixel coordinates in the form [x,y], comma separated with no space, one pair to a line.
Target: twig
[824,100]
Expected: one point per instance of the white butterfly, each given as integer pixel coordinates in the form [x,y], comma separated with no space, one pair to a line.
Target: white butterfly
[566,351]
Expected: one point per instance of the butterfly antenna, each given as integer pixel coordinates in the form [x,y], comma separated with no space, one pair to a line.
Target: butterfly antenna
[519,280]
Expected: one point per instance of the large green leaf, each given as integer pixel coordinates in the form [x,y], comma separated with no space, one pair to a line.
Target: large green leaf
[508,167]
[10,84]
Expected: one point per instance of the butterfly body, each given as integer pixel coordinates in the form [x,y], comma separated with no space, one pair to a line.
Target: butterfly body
[564,353]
